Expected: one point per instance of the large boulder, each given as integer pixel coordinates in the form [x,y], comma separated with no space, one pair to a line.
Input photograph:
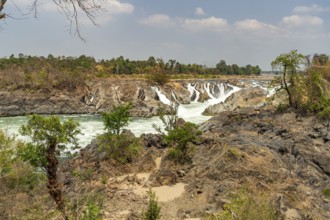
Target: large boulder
[251,97]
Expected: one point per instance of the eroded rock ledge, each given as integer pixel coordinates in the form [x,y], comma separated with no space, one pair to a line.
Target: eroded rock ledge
[283,156]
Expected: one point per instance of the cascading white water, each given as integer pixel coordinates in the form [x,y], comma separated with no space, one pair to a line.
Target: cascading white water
[193,112]
[174,97]
[161,96]
[193,91]
[91,125]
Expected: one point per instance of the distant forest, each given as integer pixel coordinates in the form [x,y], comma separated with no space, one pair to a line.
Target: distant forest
[69,72]
[120,65]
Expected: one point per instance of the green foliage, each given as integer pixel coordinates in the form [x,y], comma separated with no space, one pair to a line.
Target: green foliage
[181,138]
[7,152]
[120,147]
[289,64]
[92,212]
[83,175]
[244,206]
[159,78]
[153,210]
[49,138]
[281,108]
[170,120]
[86,207]
[69,73]
[45,132]
[324,114]
[14,173]
[233,153]
[316,99]
[115,120]
[326,192]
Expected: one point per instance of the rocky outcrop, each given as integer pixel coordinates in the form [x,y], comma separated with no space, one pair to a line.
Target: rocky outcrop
[281,160]
[251,97]
[101,95]
[283,153]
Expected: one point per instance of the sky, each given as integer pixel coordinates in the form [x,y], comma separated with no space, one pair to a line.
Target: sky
[190,31]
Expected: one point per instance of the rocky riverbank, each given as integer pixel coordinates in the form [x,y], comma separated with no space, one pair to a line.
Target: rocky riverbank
[282,160]
[100,95]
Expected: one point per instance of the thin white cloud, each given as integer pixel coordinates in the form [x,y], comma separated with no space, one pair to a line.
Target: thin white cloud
[254,25]
[312,9]
[211,24]
[302,21]
[117,7]
[199,12]
[108,8]
[157,20]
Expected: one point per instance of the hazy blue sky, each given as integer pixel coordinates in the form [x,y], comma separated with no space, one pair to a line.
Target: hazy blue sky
[190,31]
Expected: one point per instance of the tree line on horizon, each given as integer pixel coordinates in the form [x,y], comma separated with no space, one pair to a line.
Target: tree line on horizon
[121,65]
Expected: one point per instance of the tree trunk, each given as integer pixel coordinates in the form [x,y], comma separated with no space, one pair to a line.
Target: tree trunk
[54,188]
[286,86]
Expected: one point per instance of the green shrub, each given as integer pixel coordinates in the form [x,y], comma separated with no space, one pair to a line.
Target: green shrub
[83,175]
[244,206]
[122,147]
[326,192]
[281,108]
[14,173]
[153,211]
[181,139]
[115,120]
[159,78]
[325,114]
[92,212]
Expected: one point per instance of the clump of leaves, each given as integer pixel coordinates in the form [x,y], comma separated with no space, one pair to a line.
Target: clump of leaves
[244,206]
[181,139]
[159,78]
[122,147]
[326,192]
[153,210]
[115,120]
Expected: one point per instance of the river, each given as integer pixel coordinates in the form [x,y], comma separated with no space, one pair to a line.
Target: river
[92,125]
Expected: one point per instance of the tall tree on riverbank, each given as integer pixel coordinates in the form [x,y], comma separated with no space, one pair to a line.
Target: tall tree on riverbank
[289,64]
[49,139]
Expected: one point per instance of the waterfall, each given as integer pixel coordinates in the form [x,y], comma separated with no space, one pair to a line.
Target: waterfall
[161,96]
[174,97]
[194,93]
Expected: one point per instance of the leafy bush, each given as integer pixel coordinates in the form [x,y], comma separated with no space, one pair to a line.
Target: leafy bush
[169,120]
[326,192]
[159,78]
[86,207]
[14,173]
[181,138]
[325,114]
[115,120]
[122,147]
[244,206]
[92,212]
[153,211]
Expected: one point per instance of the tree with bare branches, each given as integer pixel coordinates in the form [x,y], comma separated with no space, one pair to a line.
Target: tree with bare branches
[72,9]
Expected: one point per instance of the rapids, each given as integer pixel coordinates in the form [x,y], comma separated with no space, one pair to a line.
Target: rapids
[92,125]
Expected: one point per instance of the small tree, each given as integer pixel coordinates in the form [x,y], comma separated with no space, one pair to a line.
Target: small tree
[115,120]
[288,63]
[181,138]
[48,141]
[153,211]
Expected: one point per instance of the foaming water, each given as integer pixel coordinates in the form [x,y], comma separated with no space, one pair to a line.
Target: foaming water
[92,125]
